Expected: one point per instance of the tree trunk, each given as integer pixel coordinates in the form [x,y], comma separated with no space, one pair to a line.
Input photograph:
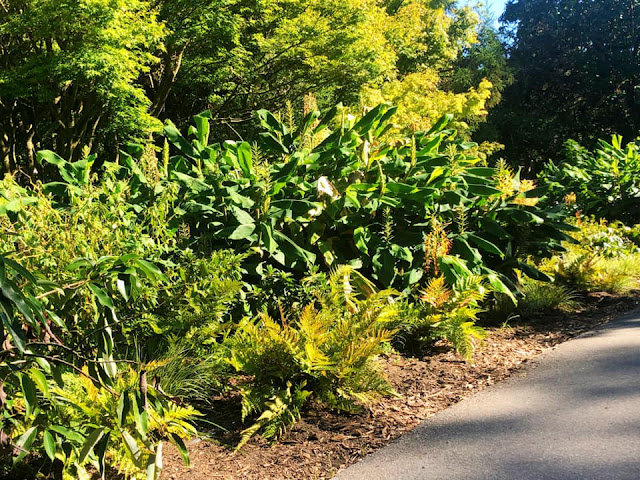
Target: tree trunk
[172,64]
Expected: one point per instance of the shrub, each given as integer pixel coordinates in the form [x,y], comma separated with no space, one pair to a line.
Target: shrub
[604,183]
[447,312]
[540,297]
[604,259]
[327,353]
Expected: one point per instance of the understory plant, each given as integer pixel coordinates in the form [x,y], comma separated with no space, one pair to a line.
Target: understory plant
[245,259]
[604,182]
[444,311]
[337,189]
[603,259]
[327,353]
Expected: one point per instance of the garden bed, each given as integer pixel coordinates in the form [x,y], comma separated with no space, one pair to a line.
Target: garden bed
[324,442]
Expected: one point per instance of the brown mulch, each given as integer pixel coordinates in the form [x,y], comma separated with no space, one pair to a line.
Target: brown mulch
[324,442]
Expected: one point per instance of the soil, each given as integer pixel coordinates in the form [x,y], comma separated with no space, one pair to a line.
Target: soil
[324,442]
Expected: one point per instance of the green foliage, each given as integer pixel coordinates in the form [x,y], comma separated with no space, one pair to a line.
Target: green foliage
[94,303]
[178,266]
[576,76]
[447,312]
[69,73]
[335,190]
[604,259]
[604,183]
[537,298]
[327,352]
[72,402]
[94,73]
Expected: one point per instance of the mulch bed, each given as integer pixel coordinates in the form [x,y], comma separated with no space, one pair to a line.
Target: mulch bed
[324,442]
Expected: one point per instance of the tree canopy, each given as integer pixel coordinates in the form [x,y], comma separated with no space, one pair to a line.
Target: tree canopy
[70,74]
[576,75]
[89,75]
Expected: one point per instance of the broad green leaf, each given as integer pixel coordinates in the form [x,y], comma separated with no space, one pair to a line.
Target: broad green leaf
[437,172]
[195,185]
[241,216]
[485,245]
[483,190]
[244,158]
[454,268]
[67,433]
[294,250]
[466,251]
[79,263]
[40,380]
[139,415]
[16,205]
[267,238]
[384,266]
[13,326]
[440,124]
[124,406]
[532,272]
[133,447]
[175,137]
[90,442]
[100,451]
[361,237]
[13,294]
[352,196]
[151,271]
[101,295]
[499,286]
[29,393]
[24,443]
[49,444]
[242,232]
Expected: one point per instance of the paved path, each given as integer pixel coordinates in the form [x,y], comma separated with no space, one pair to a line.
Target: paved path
[574,416]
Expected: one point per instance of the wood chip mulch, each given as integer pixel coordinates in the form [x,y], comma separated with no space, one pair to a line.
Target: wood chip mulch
[324,442]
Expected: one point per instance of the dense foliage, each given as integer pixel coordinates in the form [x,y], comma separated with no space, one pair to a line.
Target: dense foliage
[604,182]
[576,76]
[147,266]
[96,73]
[150,259]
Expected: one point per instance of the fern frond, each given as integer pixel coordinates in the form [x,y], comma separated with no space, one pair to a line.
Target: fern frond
[436,292]
[279,413]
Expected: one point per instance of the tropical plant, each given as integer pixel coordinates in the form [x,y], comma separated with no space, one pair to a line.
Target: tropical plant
[604,182]
[72,403]
[338,190]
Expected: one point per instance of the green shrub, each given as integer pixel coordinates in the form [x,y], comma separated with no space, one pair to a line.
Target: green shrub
[541,297]
[327,353]
[604,183]
[342,190]
[447,312]
[603,259]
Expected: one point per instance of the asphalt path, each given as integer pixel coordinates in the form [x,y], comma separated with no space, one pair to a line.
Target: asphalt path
[574,415]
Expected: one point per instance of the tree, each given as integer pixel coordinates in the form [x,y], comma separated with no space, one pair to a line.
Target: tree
[577,75]
[274,51]
[355,52]
[444,61]
[68,74]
